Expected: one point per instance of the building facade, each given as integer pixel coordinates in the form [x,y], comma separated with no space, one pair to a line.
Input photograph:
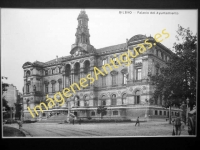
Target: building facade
[125,90]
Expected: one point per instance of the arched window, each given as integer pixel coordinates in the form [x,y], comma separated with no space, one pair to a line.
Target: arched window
[113,100]
[123,98]
[76,73]
[103,100]
[137,97]
[28,73]
[86,67]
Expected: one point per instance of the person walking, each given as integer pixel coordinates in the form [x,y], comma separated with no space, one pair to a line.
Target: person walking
[73,121]
[177,124]
[80,121]
[137,122]
[20,124]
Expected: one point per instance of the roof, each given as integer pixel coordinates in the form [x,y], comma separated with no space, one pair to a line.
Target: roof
[111,48]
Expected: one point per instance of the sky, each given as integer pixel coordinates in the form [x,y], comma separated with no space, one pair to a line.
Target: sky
[43,34]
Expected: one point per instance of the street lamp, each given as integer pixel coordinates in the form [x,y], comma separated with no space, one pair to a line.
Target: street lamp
[21,114]
[187,100]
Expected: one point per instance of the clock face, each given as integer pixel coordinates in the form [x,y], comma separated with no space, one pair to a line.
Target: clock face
[77,52]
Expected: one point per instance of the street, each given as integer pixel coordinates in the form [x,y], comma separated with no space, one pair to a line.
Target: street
[98,129]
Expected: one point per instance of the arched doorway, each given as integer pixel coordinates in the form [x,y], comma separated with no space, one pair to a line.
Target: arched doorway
[137,97]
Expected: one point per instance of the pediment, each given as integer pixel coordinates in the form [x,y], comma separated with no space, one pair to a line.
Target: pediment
[27,64]
[137,37]
[77,48]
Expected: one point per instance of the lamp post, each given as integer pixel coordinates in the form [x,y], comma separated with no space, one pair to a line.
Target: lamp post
[187,100]
[21,112]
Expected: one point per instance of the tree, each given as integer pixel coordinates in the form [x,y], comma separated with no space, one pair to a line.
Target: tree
[101,110]
[5,103]
[177,81]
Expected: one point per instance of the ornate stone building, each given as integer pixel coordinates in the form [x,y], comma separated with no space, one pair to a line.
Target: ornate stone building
[125,91]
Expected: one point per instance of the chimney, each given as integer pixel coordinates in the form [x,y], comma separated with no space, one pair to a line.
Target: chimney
[57,58]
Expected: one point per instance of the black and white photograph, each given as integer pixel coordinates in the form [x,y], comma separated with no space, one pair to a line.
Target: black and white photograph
[96,73]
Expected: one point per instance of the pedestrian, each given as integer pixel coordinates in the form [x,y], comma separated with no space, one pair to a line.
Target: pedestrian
[20,124]
[177,123]
[137,122]
[80,121]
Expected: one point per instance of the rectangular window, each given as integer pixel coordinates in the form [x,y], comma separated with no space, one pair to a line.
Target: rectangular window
[60,86]
[53,71]
[103,81]
[165,113]
[53,87]
[59,70]
[115,113]
[46,88]
[138,74]
[114,82]
[124,58]
[124,79]
[156,112]
[137,99]
[161,55]
[46,72]
[93,113]
[104,62]
[27,88]
[156,52]
[115,60]
[160,112]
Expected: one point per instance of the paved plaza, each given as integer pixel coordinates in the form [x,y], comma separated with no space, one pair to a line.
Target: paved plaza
[98,129]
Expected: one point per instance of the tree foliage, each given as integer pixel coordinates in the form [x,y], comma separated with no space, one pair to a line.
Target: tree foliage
[177,81]
[101,110]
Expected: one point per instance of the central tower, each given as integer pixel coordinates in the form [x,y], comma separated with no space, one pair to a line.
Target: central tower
[82,42]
